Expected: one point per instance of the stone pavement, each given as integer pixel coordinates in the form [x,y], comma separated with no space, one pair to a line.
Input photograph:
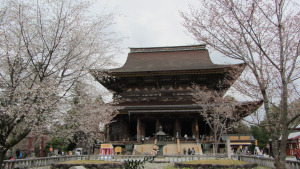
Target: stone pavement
[148,165]
[157,165]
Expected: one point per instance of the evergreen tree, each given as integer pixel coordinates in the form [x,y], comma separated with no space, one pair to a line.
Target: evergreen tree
[261,134]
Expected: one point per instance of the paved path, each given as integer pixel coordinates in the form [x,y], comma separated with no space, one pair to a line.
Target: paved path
[147,166]
[157,165]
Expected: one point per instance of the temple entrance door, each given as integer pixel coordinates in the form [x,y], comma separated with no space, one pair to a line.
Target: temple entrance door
[132,130]
[168,127]
[149,128]
[186,128]
[203,128]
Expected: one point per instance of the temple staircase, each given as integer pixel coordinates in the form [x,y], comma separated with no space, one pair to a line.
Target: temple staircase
[143,149]
[169,148]
[197,147]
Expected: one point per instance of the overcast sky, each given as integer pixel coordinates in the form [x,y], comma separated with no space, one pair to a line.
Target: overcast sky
[152,23]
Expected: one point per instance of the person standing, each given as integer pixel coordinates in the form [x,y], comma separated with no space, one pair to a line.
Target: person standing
[238,152]
[18,153]
[193,151]
[189,151]
[154,154]
[185,137]
[143,139]
[256,150]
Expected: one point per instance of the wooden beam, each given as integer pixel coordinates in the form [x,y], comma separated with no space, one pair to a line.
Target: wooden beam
[138,129]
[197,129]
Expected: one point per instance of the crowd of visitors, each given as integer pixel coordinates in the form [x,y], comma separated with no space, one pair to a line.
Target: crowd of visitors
[189,152]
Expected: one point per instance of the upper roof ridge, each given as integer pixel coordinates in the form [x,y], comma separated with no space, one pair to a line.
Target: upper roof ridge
[168,48]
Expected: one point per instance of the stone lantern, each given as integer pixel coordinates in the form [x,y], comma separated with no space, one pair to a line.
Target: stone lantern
[160,136]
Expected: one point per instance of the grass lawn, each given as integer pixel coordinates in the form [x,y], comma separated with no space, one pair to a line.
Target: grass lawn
[172,167]
[214,161]
[87,162]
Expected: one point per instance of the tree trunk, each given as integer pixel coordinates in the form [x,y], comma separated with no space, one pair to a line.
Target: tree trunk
[216,141]
[216,148]
[283,114]
[2,156]
[282,148]
[276,154]
[89,153]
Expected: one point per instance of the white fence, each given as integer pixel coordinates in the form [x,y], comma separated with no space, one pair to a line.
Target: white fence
[267,162]
[36,162]
[183,158]
[47,161]
[119,158]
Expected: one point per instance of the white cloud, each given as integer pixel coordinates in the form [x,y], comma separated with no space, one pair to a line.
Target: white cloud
[148,23]
[152,23]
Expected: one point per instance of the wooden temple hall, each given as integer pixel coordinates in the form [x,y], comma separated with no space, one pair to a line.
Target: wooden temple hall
[155,85]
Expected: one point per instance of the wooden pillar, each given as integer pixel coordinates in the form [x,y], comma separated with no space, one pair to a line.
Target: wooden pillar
[125,130]
[29,144]
[177,128]
[197,129]
[138,129]
[42,146]
[157,126]
[143,129]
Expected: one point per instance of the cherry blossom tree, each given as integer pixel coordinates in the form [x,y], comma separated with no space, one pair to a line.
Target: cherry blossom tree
[86,117]
[217,111]
[264,34]
[45,46]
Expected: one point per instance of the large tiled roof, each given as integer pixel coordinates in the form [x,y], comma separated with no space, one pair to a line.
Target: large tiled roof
[168,59]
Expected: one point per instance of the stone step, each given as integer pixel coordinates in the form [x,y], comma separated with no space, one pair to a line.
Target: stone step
[169,149]
[198,149]
[160,160]
[143,149]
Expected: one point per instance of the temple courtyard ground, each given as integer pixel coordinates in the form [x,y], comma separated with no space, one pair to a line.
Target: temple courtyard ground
[149,166]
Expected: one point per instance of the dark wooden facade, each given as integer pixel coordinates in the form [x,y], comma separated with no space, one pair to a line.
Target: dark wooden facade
[154,86]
